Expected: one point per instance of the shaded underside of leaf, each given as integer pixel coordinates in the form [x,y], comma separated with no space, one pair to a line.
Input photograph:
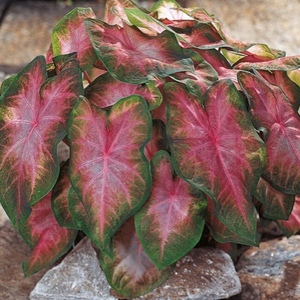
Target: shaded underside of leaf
[276,205]
[131,56]
[59,199]
[171,222]
[131,273]
[292,225]
[217,150]
[108,168]
[105,91]
[272,111]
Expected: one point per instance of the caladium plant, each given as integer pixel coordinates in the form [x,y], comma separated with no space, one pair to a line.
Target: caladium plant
[171,126]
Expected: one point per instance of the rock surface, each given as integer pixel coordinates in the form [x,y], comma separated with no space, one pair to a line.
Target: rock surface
[271,271]
[77,277]
[204,273]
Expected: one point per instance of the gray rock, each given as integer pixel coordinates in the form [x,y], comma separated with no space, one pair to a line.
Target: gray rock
[271,271]
[78,277]
[205,273]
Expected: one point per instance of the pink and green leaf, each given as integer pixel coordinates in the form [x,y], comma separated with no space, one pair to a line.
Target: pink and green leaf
[131,56]
[105,91]
[292,225]
[171,222]
[48,240]
[276,205]
[217,150]
[130,272]
[108,168]
[70,35]
[34,112]
[271,110]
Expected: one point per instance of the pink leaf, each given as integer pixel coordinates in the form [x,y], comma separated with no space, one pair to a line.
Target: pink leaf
[133,57]
[70,35]
[33,120]
[272,111]
[217,150]
[48,239]
[107,166]
[292,225]
[171,222]
[130,272]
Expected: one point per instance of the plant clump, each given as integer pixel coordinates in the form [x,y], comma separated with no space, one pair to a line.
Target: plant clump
[172,127]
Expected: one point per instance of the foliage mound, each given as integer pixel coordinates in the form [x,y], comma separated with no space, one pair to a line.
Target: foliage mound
[173,127]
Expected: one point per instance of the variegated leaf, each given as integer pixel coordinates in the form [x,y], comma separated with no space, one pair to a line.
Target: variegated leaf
[108,168]
[217,150]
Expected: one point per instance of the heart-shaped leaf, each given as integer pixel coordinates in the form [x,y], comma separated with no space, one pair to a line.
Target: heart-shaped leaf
[271,110]
[131,56]
[217,150]
[33,118]
[48,240]
[108,168]
[70,35]
[171,222]
[130,272]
